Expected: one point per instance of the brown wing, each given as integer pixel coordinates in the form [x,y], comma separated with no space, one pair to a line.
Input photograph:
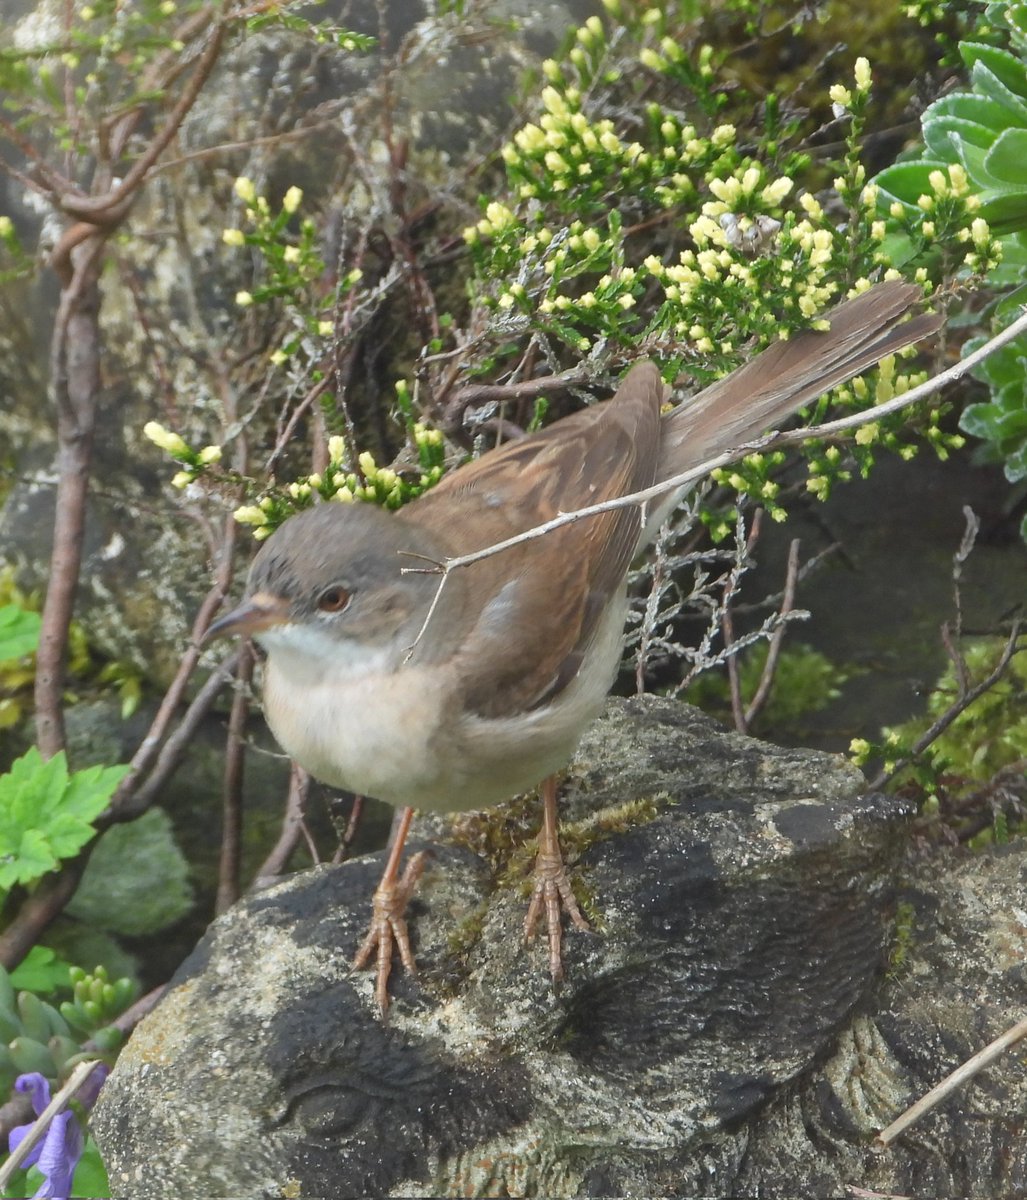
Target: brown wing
[545,596]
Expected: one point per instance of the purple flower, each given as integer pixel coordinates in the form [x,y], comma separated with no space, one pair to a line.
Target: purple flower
[58,1153]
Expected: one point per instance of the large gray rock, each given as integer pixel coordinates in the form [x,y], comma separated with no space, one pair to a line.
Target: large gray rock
[742,892]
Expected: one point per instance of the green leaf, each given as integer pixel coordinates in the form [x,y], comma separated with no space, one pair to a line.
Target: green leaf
[19,632]
[940,136]
[1016,464]
[45,815]
[1005,211]
[969,107]
[998,74]
[1007,158]
[908,181]
[90,1177]
[42,971]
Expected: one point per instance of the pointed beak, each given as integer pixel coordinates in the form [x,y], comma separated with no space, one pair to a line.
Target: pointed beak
[261,611]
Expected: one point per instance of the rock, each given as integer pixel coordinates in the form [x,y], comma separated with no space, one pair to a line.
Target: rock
[742,892]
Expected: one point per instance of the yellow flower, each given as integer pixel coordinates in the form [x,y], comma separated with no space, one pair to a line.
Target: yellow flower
[165,439]
[233,237]
[292,199]
[250,514]
[245,190]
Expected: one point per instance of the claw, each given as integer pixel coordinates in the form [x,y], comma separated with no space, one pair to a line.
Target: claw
[388,928]
[552,891]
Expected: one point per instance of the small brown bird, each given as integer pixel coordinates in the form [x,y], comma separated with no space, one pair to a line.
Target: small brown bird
[466,705]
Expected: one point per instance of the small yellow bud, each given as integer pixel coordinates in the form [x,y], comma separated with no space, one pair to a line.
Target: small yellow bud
[165,439]
[233,237]
[181,479]
[250,514]
[210,455]
[863,75]
[292,199]
[245,190]
[244,299]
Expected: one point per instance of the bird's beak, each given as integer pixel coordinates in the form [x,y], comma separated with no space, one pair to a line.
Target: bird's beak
[261,611]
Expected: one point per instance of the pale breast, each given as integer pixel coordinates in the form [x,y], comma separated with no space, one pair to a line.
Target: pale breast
[371,737]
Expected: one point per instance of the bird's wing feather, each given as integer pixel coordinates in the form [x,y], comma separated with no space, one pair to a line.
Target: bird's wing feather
[546,595]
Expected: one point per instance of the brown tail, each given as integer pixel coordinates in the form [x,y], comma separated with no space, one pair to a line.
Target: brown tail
[785,376]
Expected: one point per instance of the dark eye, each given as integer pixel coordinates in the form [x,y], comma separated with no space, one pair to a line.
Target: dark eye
[333,599]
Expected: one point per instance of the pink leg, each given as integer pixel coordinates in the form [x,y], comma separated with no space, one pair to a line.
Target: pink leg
[388,926]
[552,885]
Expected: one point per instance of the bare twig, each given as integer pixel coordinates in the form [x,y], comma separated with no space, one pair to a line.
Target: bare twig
[950,1083]
[777,638]
[231,823]
[728,621]
[959,705]
[292,828]
[45,904]
[766,441]
[356,812]
[131,804]
[76,1081]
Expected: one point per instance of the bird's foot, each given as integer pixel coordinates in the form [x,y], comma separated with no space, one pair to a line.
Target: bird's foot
[389,928]
[551,894]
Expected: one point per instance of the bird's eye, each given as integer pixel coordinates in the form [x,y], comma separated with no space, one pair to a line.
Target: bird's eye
[333,599]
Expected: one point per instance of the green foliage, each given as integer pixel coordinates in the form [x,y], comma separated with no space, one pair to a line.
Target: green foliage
[42,970]
[96,1000]
[36,1035]
[19,632]
[985,738]
[976,161]
[805,681]
[902,939]
[46,814]
[117,893]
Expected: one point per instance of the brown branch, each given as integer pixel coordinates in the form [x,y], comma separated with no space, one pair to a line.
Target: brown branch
[356,814]
[45,904]
[108,210]
[486,393]
[75,371]
[958,706]
[956,1079]
[777,638]
[231,822]
[133,803]
[149,748]
[54,183]
[292,828]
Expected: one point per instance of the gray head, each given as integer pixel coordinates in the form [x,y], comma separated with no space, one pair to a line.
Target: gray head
[333,575]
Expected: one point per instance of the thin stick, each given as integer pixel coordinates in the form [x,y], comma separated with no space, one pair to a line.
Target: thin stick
[768,440]
[75,1082]
[230,858]
[958,706]
[777,639]
[949,1084]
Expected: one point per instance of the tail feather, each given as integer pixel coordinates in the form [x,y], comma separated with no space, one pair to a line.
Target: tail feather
[792,373]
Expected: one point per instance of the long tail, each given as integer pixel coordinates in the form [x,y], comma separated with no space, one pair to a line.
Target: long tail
[792,373]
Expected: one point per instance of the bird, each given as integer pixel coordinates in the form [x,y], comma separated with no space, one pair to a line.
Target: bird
[457,690]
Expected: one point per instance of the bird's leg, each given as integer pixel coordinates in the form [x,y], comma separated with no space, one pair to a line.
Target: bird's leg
[388,925]
[552,884]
